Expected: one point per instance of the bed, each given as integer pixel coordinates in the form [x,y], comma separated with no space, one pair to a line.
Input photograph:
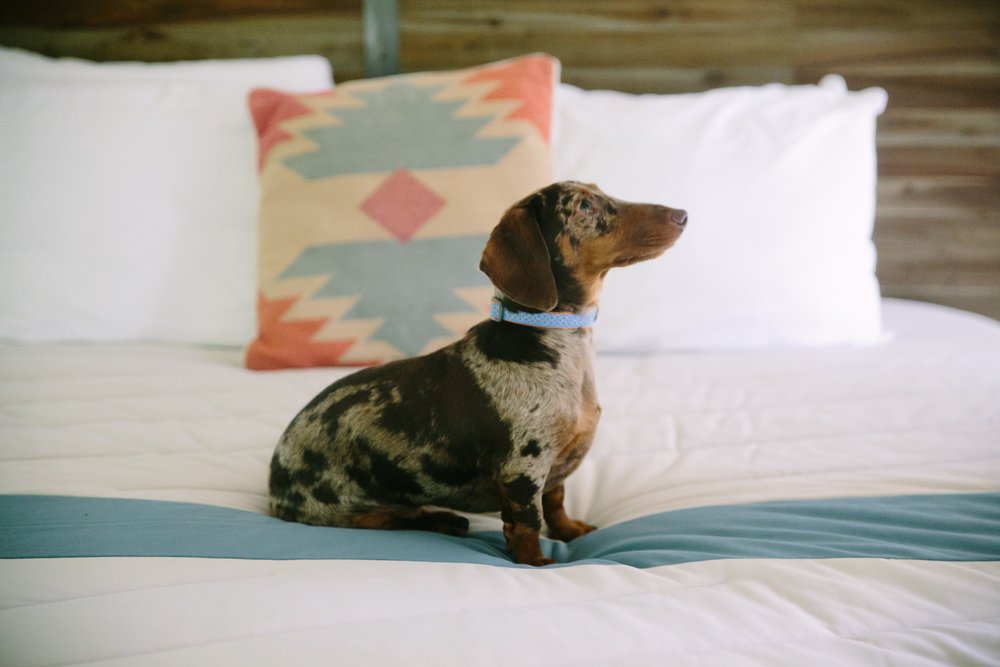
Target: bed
[789,469]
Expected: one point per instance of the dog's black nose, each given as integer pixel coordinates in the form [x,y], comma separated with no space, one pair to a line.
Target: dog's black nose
[679,216]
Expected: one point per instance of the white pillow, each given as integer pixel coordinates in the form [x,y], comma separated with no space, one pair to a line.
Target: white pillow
[128,196]
[779,184]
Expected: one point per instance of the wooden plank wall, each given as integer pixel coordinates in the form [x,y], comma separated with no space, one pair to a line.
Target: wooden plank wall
[938,225]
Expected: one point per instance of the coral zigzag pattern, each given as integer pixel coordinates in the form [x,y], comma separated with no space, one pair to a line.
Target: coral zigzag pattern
[270,350]
[512,78]
[269,109]
[384,192]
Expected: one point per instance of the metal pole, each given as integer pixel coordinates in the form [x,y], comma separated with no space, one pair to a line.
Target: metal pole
[381,37]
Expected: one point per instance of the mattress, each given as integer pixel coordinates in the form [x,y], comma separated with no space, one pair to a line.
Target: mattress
[779,507]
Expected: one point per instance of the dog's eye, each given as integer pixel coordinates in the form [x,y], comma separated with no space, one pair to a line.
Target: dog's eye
[586,206]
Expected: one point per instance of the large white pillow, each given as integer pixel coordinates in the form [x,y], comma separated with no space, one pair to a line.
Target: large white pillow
[128,196]
[779,184]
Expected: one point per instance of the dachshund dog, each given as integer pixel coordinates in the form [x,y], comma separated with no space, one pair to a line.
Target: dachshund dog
[494,421]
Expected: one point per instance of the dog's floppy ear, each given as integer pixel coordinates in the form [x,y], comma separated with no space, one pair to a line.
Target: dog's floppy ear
[517,261]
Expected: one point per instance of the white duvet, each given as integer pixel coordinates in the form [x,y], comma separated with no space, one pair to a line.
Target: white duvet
[917,415]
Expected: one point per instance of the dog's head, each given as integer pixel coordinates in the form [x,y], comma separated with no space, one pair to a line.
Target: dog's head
[554,247]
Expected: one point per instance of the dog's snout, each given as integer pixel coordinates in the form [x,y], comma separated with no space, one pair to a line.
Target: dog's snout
[679,216]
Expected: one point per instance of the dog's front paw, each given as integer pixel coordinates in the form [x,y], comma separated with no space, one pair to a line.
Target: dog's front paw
[570,530]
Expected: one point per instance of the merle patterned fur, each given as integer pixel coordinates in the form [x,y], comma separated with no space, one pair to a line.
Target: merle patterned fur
[495,421]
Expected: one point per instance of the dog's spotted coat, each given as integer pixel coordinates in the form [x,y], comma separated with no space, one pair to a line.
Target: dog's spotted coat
[495,421]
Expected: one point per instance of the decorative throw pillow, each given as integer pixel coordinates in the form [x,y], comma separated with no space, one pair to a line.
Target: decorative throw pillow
[377,198]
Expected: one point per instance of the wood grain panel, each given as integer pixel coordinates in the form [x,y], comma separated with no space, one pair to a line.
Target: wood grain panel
[938,243]
[893,14]
[941,127]
[110,13]
[591,16]
[939,160]
[197,40]
[955,194]
[166,30]
[595,38]
[857,47]
[709,47]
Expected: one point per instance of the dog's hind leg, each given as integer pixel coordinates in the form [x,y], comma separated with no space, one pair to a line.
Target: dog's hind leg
[393,517]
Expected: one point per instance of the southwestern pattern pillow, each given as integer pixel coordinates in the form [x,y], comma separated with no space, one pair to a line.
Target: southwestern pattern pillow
[376,201]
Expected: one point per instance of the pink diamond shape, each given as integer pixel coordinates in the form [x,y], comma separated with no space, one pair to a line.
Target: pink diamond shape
[402,204]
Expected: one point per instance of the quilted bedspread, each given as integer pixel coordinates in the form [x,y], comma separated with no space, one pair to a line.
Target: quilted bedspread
[790,507]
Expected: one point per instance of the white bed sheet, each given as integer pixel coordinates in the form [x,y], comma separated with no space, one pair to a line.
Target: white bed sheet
[917,415]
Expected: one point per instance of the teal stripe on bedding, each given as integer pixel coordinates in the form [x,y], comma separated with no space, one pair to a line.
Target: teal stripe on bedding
[963,527]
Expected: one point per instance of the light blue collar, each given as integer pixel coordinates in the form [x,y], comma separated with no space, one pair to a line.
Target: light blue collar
[542,320]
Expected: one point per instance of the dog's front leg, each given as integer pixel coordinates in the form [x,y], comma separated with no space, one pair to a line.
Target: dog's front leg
[561,527]
[521,511]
